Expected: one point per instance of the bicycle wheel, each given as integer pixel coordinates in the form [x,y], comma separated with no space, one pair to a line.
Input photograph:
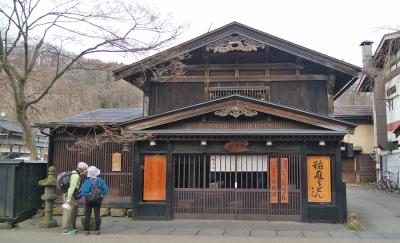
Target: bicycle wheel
[392,186]
[381,185]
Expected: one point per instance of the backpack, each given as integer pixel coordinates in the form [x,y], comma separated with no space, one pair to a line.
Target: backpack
[63,180]
[96,193]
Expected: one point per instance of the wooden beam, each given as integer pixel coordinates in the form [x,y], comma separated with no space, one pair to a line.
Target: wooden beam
[268,109]
[247,78]
[199,67]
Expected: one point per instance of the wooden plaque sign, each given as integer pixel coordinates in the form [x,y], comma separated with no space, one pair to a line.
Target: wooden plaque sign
[237,146]
[319,179]
[116,162]
[284,180]
[273,180]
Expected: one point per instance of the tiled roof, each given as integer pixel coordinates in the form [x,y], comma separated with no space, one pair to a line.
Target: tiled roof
[10,125]
[353,110]
[102,116]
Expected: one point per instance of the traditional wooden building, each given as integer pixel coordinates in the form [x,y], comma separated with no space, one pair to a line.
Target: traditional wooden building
[246,131]
[13,146]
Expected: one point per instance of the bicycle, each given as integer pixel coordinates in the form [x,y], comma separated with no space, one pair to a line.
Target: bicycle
[386,181]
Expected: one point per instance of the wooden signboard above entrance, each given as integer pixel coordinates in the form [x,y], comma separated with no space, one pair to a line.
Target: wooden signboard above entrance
[319,179]
[237,146]
[155,178]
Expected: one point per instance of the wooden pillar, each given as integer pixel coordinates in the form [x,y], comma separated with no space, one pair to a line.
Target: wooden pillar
[136,178]
[340,187]
[145,104]
[330,84]
[207,76]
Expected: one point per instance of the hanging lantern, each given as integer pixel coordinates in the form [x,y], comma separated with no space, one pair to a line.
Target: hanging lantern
[125,147]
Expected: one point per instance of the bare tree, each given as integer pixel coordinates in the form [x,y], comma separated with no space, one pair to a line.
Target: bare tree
[38,29]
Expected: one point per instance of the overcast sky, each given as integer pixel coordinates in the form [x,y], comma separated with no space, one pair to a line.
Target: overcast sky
[333,27]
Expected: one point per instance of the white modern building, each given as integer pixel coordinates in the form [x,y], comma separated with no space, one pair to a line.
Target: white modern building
[382,77]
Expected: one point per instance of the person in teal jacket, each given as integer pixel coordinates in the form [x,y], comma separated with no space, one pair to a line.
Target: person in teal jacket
[90,183]
[69,215]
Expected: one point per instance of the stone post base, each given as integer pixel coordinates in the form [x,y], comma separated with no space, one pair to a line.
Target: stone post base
[48,224]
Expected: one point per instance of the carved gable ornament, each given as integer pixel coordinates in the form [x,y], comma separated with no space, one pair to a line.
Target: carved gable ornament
[235,43]
[235,111]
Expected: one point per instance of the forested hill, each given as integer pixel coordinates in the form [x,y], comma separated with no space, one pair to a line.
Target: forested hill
[76,92]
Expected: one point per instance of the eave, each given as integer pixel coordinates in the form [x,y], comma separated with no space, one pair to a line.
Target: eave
[267,107]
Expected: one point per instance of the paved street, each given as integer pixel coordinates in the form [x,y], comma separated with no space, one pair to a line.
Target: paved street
[39,237]
[378,211]
[127,230]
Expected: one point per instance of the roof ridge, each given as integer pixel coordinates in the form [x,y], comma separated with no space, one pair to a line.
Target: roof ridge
[240,25]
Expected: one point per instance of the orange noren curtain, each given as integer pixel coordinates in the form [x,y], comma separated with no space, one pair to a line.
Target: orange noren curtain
[284,180]
[273,180]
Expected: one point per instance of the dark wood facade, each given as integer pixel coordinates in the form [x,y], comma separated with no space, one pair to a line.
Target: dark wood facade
[276,88]
[232,134]
[298,209]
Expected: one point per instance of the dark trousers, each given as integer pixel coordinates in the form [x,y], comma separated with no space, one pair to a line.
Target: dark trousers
[89,206]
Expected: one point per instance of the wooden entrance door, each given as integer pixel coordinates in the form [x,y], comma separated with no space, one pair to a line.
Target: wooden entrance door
[236,186]
[155,178]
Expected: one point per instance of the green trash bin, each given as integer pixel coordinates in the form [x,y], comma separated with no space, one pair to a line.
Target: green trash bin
[19,189]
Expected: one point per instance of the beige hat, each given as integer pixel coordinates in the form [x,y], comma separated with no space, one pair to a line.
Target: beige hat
[93,172]
[82,166]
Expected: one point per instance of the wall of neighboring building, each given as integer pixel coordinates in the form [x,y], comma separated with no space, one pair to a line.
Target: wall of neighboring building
[4,148]
[363,137]
[391,162]
[392,88]
[391,158]
[360,168]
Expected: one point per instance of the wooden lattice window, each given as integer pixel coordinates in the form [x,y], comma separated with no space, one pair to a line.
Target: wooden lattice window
[261,92]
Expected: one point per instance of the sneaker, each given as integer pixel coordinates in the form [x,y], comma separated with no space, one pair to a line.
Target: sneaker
[97,232]
[87,232]
[70,232]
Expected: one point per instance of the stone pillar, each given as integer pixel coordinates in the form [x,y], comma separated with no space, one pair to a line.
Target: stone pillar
[48,197]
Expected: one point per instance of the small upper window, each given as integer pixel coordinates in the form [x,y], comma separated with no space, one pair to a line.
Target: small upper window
[257,92]
[390,91]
